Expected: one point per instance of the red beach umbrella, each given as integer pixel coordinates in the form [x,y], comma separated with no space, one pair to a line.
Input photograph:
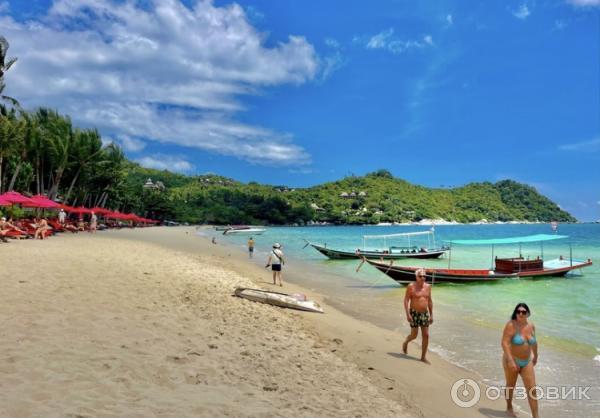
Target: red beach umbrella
[40,201]
[15,197]
[101,211]
[114,215]
[4,202]
[80,210]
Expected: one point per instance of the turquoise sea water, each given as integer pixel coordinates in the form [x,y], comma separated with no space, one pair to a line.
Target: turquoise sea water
[470,317]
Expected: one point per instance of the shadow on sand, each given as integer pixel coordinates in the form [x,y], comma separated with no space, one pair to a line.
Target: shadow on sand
[404,356]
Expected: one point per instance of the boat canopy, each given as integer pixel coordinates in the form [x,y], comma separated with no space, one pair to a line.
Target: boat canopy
[408,235]
[405,234]
[511,240]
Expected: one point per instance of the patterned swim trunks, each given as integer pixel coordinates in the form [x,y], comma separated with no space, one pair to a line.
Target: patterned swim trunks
[419,319]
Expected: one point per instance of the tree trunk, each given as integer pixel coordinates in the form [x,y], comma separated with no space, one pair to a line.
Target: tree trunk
[37,175]
[104,200]
[42,177]
[1,161]
[72,184]
[14,177]
[56,182]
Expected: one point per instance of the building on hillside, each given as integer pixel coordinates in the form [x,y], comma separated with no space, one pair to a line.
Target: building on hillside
[158,185]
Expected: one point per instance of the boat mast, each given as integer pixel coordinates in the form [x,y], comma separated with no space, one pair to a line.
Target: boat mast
[493,265]
[571,252]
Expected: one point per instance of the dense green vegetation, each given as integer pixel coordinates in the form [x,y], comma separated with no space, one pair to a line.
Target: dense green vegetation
[43,153]
[376,197]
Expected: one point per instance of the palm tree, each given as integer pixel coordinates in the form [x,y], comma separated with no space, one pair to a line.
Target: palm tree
[23,143]
[85,151]
[59,137]
[5,64]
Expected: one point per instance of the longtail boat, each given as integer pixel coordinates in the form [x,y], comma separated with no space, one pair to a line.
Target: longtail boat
[503,268]
[388,252]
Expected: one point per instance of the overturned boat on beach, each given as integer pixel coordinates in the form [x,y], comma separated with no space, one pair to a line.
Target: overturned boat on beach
[283,300]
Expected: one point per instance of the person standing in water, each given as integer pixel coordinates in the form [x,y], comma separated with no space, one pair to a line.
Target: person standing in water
[276,261]
[520,356]
[250,247]
[418,306]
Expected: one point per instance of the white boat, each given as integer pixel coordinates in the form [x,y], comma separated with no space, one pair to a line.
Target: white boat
[296,301]
[246,231]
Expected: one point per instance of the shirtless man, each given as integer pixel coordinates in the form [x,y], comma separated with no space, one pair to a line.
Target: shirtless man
[419,312]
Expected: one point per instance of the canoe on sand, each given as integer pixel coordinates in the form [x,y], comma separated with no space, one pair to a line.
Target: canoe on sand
[295,301]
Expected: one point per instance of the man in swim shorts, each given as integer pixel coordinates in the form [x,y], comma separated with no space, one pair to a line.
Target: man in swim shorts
[418,306]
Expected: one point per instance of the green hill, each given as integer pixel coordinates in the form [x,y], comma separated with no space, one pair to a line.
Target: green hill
[373,198]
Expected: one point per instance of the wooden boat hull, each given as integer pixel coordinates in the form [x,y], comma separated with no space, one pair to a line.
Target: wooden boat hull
[375,255]
[405,274]
[248,231]
[282,300]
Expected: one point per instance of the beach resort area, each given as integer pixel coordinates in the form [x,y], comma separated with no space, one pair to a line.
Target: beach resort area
[142,322]
[250,208]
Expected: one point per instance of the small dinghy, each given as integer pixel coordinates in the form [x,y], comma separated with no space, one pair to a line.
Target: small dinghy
[295,301]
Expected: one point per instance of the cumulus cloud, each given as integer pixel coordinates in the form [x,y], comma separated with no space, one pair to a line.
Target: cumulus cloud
[161,71]
[522,12]
[166,162]
[388,41]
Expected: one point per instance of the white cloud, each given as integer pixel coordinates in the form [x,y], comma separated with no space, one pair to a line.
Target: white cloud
[331,64]
[583,146]
[450,20]
[164,72]
[131,144]
[584,3]
[522,12]
[386,40]
[166,162]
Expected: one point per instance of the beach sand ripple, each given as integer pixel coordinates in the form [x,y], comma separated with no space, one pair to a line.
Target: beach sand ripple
[99,326]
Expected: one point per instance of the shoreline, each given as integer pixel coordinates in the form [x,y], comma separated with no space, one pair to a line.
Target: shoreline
[377,351]
[124,322]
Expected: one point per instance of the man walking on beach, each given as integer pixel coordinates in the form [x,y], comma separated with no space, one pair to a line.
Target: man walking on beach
[250,247]
[419,312]
[275,260]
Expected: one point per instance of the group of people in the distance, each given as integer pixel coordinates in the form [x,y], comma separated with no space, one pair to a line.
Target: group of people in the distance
[41,228]
[519,344]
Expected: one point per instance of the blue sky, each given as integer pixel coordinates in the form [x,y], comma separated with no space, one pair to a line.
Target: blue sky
[441,93]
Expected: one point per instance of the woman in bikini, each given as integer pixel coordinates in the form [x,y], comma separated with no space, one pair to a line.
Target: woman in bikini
[520,357]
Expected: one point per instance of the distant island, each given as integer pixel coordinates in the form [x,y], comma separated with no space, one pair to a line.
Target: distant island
[375,198]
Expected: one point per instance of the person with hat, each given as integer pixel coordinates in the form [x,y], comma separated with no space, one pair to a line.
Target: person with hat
[62,217]
[276,261]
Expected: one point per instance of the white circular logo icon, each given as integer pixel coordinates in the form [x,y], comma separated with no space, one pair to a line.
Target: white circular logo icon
[465,393]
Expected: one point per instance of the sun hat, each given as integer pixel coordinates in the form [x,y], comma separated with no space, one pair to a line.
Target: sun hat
[276,245]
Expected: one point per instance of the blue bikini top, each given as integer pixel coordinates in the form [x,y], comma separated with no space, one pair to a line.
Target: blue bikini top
[517,339]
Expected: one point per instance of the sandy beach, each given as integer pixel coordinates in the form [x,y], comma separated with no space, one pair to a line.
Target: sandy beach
[143,323]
